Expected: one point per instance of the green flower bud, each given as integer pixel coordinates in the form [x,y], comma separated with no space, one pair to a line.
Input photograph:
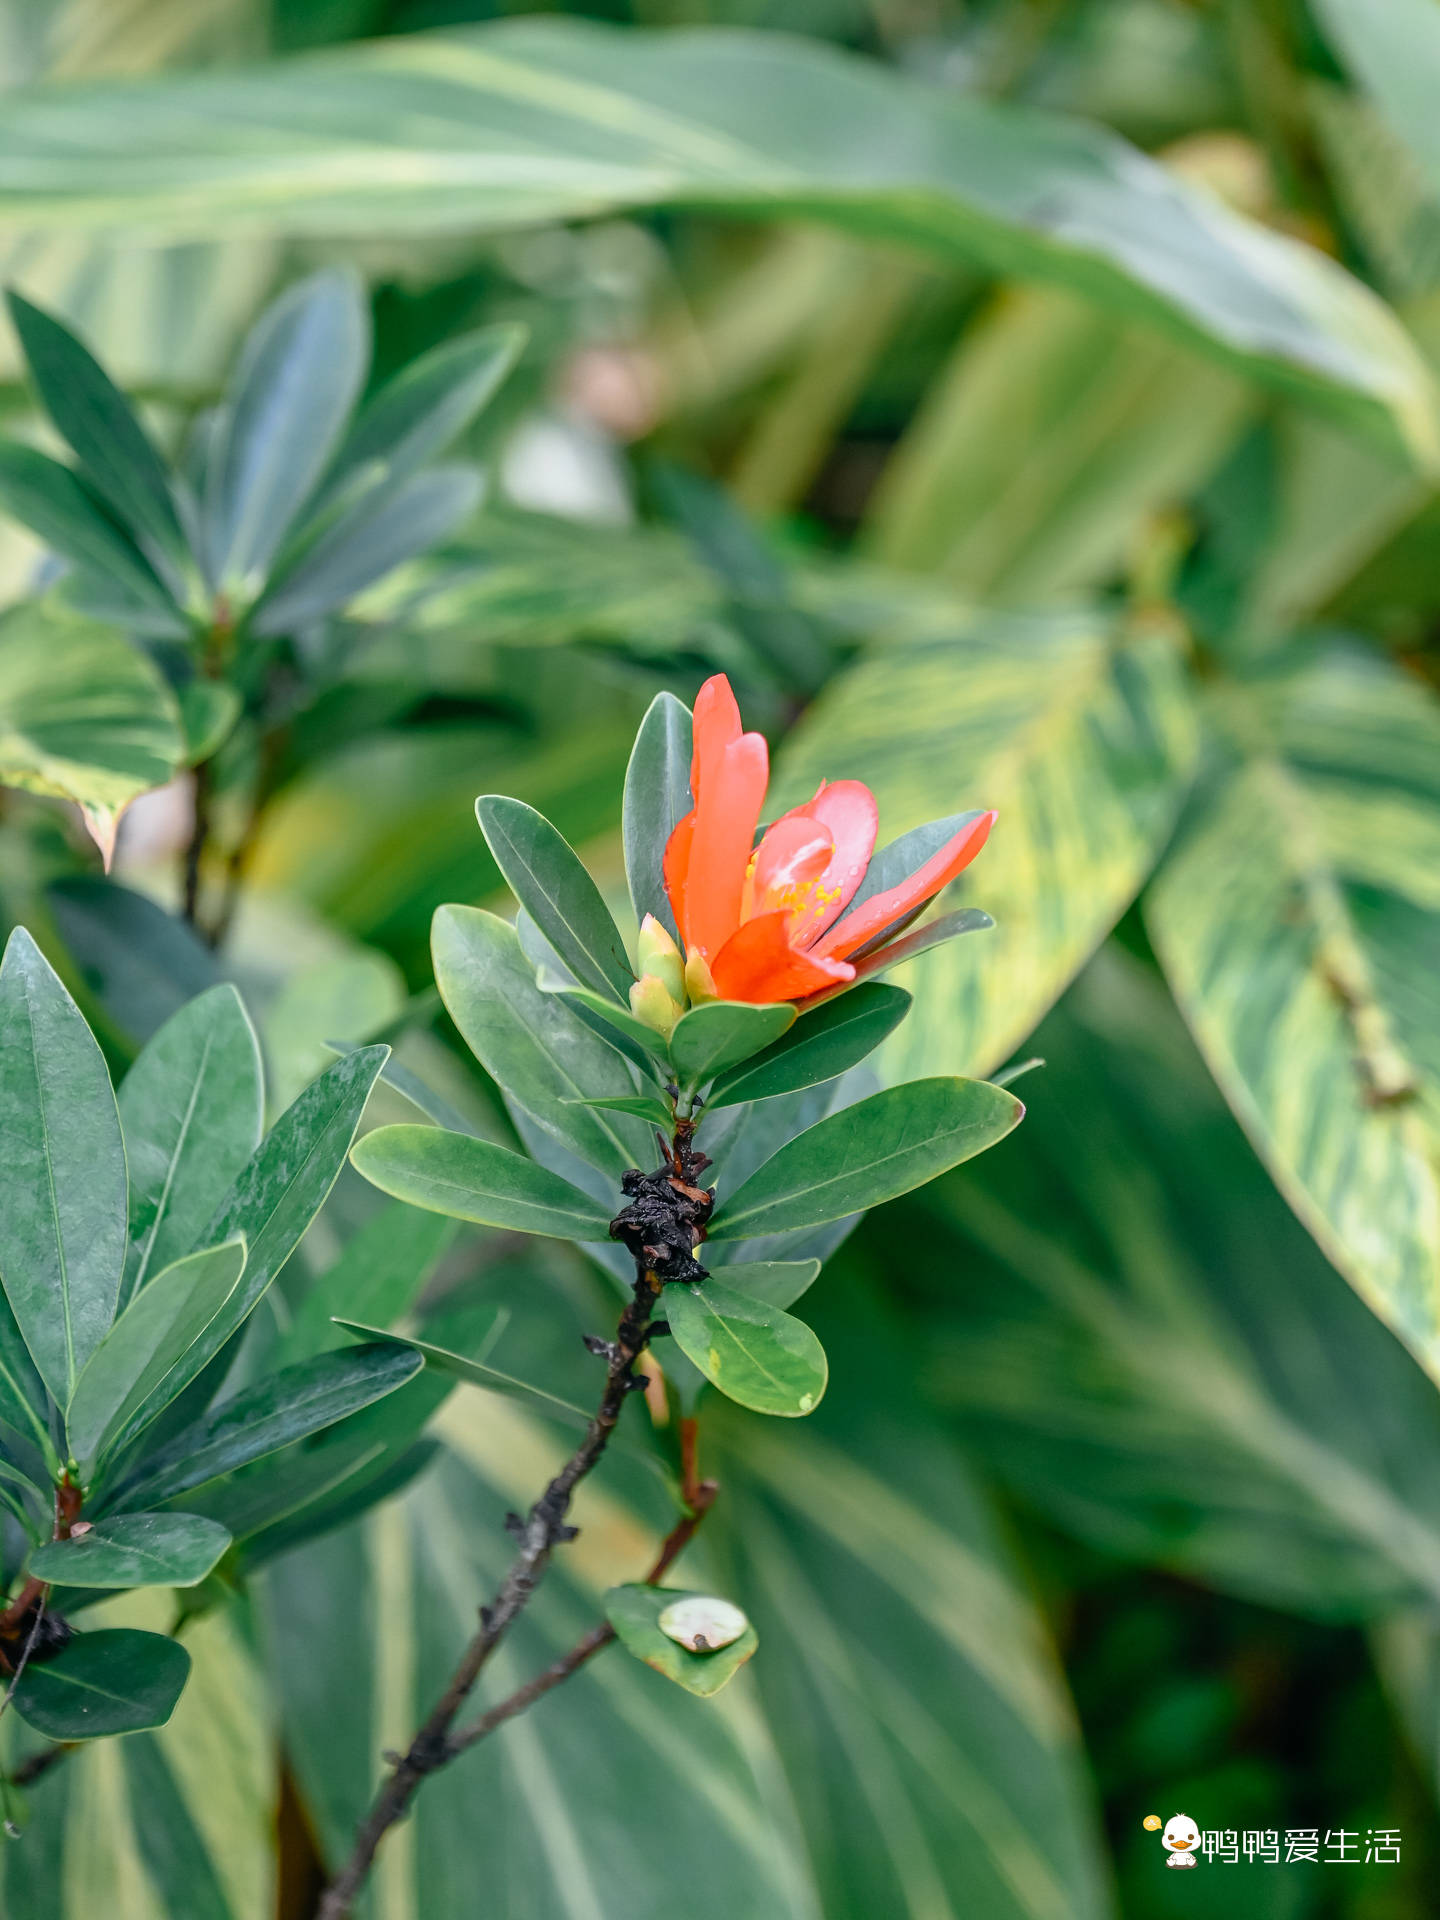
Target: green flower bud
[652,1002]
[658,954]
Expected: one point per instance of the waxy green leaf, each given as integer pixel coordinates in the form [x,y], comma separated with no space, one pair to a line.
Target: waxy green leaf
[283,1407]
[779,1283]
[549,880]
[873,1151]
[191,1112]
[634,1612]
[721,1033]
[821,1045]
[134,1550]
[474,1179]
[382,1270]
[640,1106]
[115,1681]
[62,1227]
[755,1353]
[639,1043]
[657,797]
[128,1379]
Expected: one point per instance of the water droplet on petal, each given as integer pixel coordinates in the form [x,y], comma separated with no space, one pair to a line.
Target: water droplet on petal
[702,1623]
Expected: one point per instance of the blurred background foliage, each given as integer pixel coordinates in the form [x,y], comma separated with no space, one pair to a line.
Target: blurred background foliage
[997,466]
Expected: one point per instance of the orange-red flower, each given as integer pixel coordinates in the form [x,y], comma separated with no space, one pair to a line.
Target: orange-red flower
[769,921]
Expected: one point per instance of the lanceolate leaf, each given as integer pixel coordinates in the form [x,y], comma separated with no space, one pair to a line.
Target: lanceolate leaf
[549,120]
[475,1180]
[113,1681]
[134,1550]
[867,1153]
[549,881]
[97,420]
[1082,739]
[820,1045]
[1297,922]
[717,1035]
[657,796]
[532,1043]
[62,1227]
[286,1406]
[190,1109]
[127,1380]
[753,1352]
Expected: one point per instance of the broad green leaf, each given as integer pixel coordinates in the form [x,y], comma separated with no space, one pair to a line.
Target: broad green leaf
[282,1408]
[755,1353]
[1296,921]
[429,403]
[1392,47]
[83,715]
[867,1153]
[208,712]
[282,1187]
[62,1228]
[553,119]
[720,1034]
[298,377]
[127,1380]
[634,1612]
[547,878]
[657,796]
[382,1270]
[475,1180]
[637,1041]
[1080,737]
[531,1043]
[116,1680]
[641,1106]
[55,503]
[134,1550]
[1044,446]
[821,1044]
[190,1110]
[1130,1222]
[97,420]
[387,526]
[779,1283]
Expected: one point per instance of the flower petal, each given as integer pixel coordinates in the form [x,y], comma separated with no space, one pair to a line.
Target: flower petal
[716,725]
[757,963]
[883,909]
[676,868]
[790,858]
[726,814]
[847,808]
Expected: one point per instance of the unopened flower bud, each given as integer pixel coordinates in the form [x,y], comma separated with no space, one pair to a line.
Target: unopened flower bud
[652,1002]
[699,981]
[658,955]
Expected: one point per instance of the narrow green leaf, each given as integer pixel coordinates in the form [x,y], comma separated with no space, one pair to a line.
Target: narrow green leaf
[115,1681]
[531,1043]
[657,796]
[891,864]
[381,1272]
[282,1187]
[190,1110]
[24,1403]
[134,1550]
[755,1353]
[821,1045]
[97,420]
[779,1283]
[549,880]
[637,1041]
[55,503]
[391,523]
[292,392]
[473,1179]
[721,1033]
[282,1408]
[127,1380]
[873,1151]
[634,1612]
[429,404]
[62,1227]
[643,1106]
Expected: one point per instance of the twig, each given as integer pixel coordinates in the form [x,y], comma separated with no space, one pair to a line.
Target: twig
[539,1533]
[39,1764]
[199,840]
